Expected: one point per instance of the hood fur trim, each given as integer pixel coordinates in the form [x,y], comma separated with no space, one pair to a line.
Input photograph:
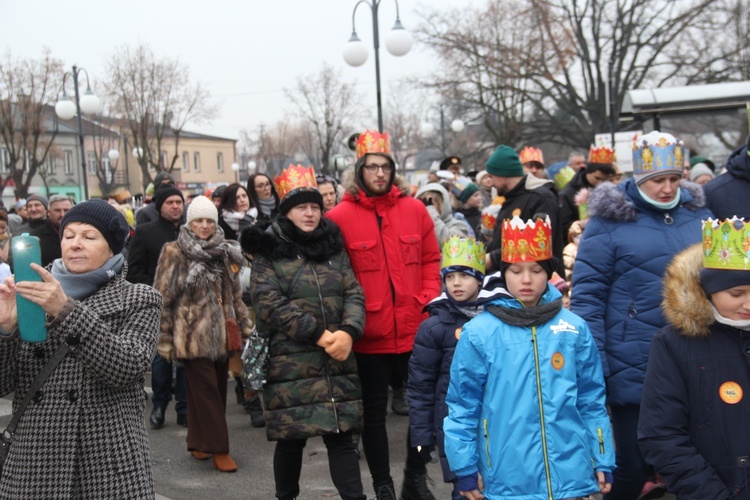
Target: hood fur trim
[685,305]
[610,202]
[351,187]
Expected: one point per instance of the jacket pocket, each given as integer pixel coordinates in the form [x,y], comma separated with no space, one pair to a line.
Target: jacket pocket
[411,248]
[364,256]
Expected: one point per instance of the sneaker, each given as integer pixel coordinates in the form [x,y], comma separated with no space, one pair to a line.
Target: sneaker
[385,491]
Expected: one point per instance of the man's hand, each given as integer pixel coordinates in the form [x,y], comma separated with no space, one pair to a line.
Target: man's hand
[341,346]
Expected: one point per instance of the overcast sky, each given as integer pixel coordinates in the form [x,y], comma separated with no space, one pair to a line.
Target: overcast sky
[245,51]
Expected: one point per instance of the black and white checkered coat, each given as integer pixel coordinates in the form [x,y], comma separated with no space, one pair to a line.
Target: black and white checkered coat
[84,436]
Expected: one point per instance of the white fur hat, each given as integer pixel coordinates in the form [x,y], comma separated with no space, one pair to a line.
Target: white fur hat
[202,208]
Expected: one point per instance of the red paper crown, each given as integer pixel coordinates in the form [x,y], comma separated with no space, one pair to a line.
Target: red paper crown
[529,241]
[295,177]
[528,154]
[602,154]
[372,141]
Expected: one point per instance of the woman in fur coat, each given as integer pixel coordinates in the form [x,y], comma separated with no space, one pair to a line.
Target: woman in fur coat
[201,322]
[695,416]
[308,301]
[83,435]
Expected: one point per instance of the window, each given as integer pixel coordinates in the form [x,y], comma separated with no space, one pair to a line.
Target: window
[4,161]
[68,162]
[51,165]
[163,160]
[91,162]
[106,167]
[185,162]
[219,162]
[197,161]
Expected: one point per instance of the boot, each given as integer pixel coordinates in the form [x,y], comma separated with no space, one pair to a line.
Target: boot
[415,486]
[398,403]
[253,407]
[385,490]
[224,463]
[199,455]
[239,391]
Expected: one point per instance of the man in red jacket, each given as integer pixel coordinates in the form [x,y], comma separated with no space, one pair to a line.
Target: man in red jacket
[391,242]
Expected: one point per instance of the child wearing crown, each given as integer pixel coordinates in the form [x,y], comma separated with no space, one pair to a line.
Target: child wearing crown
[694,423]
[526,395]
[462,270]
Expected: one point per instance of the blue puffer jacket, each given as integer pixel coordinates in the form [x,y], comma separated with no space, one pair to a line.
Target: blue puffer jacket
[729,193]
[617,287]
[526,407]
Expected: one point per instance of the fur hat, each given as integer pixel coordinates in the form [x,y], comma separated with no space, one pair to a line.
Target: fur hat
[202,208]
[104,217]
[504,162]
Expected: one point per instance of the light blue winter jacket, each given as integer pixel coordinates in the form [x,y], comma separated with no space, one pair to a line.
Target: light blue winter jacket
[526,407]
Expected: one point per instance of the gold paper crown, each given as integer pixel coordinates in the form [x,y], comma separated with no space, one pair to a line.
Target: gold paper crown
[293,178]
[528,154]
[529,241]
[602,154]
[657,151]
[726,244]
[372,141]
[463,251]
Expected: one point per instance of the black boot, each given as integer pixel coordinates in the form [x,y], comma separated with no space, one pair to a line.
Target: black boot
[385,490]
[415,486]
[398,402]
[253,407]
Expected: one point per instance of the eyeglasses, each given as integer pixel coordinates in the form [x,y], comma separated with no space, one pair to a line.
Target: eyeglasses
[373,168]
[320,179]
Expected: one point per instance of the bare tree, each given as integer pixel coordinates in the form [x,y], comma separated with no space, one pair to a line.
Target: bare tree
[156,100]
[281,143]
[329,105]
[27,121]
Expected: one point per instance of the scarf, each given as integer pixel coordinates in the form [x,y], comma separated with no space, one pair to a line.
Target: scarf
[267,206]
[239,220]
[82,285]
[662,206]
[740,325]
[313,244]
[207,257]
[526,316]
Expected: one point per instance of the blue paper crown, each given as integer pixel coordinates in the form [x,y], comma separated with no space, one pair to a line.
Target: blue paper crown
[657,151]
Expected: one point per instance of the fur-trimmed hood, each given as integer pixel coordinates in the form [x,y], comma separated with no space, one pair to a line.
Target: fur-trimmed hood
[273,244]
[623,202]
[685,304]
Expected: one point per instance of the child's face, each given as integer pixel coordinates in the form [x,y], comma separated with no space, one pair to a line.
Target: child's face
[526,281]
[461,286]
[733,303]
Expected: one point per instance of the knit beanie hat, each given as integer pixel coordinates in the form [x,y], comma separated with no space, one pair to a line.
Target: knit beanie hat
[298,197]
[468,191]
[700,169]
[40,198]
[104,217]
[202,208]
[549,266]
[164,192]
[161,178]
[504,162]
[716,280]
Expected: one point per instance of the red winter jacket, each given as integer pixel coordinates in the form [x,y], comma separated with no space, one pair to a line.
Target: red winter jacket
[397,265]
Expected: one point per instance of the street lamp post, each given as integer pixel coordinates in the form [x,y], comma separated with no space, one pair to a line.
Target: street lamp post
[398,43]
[427,128]
[67,109]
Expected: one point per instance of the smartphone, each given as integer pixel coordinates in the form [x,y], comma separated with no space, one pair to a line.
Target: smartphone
[31,319]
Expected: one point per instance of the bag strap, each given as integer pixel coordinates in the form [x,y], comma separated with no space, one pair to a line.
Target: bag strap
[38,381]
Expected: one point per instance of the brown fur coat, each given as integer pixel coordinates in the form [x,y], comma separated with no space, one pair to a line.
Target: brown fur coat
[685,305]
[193,319]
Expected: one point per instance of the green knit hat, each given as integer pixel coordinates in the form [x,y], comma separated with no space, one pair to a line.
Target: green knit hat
[504,162]
[468,190]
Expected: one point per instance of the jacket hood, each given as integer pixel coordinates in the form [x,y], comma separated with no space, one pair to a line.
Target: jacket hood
[622,202]
[533,182]
[445,208]
[738,163]
[493,288]
[684,303]
[352,188]
[273,244]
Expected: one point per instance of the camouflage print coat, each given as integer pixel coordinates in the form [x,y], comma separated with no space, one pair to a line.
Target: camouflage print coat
[302,285]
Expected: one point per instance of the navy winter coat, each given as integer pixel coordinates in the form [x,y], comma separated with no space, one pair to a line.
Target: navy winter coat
[617,278]
[729,193]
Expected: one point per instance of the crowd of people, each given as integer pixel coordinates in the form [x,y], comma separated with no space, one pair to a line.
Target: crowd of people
[554,334]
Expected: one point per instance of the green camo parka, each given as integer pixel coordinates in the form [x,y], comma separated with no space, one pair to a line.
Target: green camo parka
[302,285]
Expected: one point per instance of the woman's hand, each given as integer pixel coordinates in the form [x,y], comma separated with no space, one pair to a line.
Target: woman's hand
[48,294]
[8,311]
[341,345]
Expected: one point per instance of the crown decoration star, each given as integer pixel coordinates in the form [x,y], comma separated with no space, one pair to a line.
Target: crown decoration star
[528,154]
[529,241]
[726,244]
[372,141]
[602,154]
[463,251]
[293,179]
[563,177]
[657,151]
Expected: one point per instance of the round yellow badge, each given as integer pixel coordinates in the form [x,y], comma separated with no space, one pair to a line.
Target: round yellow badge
[558,361]
[730,392]
[235,268]
[458,333]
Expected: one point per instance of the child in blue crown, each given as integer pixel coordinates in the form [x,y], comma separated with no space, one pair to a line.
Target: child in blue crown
[527,418]
[462,270]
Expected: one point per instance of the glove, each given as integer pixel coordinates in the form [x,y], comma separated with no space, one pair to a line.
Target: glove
[427,201]
[468,483]
[427,453]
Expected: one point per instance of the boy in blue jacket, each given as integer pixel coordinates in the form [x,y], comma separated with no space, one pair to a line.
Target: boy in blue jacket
[462,270]
[527,418]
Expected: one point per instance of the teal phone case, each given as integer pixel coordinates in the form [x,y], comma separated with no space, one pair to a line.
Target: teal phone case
[31,320]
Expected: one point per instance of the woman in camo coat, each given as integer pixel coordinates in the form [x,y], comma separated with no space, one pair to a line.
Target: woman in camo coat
[83,435]
[308,301]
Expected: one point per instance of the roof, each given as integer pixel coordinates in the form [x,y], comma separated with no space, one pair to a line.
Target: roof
[694,97]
